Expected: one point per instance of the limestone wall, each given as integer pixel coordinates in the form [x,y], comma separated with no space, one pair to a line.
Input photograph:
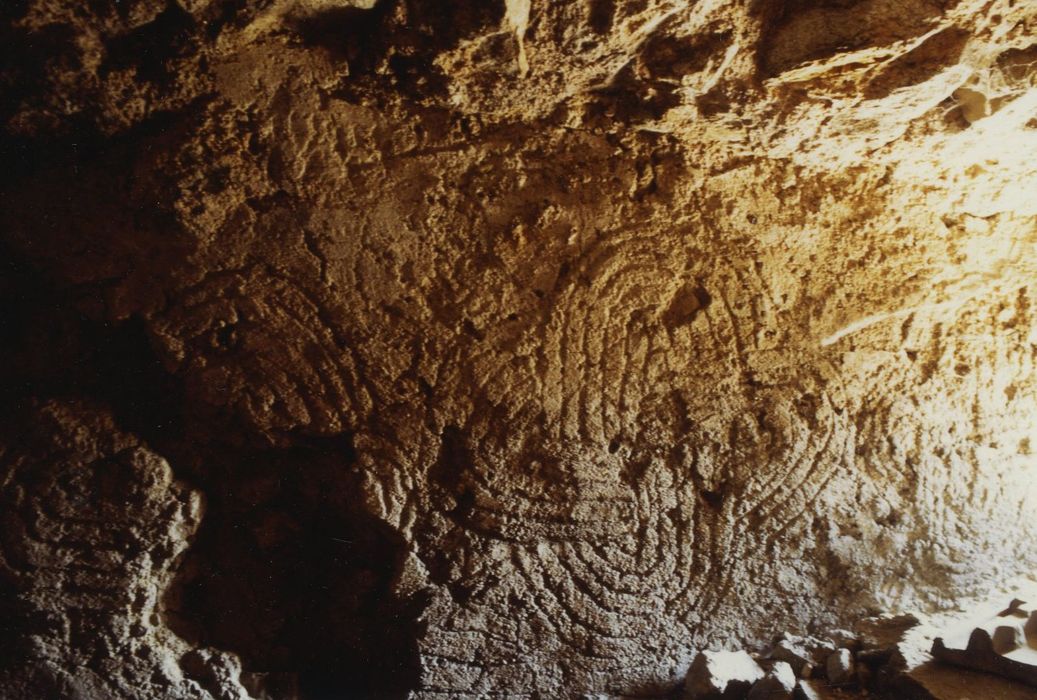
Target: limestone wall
[520,347]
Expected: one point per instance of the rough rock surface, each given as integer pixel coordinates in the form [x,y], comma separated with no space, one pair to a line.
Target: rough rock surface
[839,667]
[779,684]
[92,521]
[518,346]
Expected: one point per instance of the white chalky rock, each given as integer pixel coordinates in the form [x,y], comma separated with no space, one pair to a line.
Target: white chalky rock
[797,652]
[714,674]
[778,684]
[808,690]
[839,667]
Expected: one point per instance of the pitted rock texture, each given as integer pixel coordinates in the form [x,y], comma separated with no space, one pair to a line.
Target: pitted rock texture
[93,521]
[517,347]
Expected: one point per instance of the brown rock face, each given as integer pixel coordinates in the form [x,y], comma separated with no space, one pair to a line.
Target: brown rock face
[359,348]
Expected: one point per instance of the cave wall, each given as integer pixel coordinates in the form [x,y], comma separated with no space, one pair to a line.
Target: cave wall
[364,348]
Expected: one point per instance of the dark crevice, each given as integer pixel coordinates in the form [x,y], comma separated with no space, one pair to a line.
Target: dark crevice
[453,463]
[152,47]
[715,499]
[79,147]
[687,304]
[53,350]
[601,15]
[289,572]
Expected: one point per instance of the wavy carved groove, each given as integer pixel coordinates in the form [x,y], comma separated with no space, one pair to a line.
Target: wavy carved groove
[441,350]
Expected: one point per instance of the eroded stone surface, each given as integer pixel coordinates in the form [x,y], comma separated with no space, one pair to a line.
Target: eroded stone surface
[639,327]
[92,524]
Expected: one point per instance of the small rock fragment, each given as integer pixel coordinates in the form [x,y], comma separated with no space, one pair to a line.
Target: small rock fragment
[808,690]
[799,651]
[778,684]
[807,671]
[1008,638]
[791,652]
[839,667]
[844,639]
[974,104]
[215,670]
[721,674]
